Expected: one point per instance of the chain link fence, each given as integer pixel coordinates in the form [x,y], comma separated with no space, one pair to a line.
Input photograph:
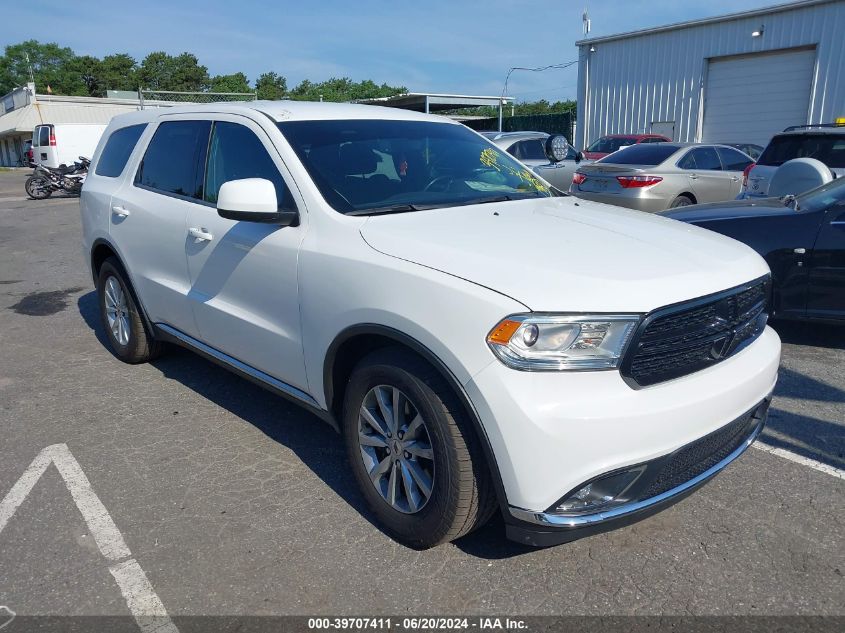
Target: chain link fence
[165,98]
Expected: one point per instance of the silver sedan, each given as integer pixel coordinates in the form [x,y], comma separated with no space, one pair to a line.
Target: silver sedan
[656,176]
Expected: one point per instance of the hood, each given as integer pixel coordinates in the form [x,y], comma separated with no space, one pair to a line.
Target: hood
[568,255]
[752,208]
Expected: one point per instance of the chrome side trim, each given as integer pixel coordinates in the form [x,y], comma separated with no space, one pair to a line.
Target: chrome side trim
[257,374]
[558,521]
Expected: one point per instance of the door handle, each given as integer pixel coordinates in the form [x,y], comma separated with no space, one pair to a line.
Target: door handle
[200,234]
[799,251]
[119,211]
[693,177]
[734,178]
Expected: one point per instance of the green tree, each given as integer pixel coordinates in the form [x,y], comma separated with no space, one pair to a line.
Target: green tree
[237,82]
[49,65]
[343,89]
[160,71]
[117,72]
[271,86]
[87,70]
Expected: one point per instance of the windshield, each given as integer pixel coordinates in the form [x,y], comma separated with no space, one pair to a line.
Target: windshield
[363,166]
[822,197]
[828,148]
[642,154]
[609,144]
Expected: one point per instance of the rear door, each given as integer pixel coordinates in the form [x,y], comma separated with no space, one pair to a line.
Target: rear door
[149,215]
[244,290]
[704,171]
[826,296]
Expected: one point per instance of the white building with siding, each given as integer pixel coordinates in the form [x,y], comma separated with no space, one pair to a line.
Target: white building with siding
[734,78]
[22,109]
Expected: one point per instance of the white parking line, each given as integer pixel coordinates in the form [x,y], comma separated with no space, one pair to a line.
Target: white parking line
[143,603]
[833,471]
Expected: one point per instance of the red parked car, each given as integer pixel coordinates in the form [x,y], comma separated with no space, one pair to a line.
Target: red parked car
[611,142]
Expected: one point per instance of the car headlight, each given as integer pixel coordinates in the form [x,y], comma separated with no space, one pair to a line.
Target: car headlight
[557,342]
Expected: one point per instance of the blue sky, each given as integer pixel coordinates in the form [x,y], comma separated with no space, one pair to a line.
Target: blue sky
[427,45]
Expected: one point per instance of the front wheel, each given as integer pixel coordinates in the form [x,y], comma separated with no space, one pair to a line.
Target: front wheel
[38,187]
[413,451]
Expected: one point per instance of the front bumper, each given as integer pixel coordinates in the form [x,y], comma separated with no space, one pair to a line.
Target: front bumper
[552,431]
[542,529]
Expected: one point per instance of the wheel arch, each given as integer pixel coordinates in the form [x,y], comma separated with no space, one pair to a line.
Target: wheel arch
[101,250]
[356,341]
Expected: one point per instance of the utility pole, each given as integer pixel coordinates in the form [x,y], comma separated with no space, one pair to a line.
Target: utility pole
[29,66]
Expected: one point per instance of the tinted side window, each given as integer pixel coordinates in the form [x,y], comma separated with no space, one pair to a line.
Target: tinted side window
[528,150]
[117,150]
[235,152]
[707,158]
[173,158]
[733,160]
[688,161]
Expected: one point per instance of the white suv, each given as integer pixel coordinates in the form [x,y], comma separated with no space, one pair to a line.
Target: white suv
[482,342]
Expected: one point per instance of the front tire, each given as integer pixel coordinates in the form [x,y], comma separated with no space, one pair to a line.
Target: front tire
[128,338]
[413,452]
[37,187]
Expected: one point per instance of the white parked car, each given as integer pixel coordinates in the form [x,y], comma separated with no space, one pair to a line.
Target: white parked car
[482,343]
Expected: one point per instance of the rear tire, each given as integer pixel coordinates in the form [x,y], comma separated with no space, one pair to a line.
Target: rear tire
[128,337]
[37,187]
[436,446]
[681,201]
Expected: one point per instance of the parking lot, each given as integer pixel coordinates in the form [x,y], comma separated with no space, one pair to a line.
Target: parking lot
[234,502]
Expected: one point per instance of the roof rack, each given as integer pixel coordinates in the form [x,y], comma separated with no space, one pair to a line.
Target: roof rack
[804,127]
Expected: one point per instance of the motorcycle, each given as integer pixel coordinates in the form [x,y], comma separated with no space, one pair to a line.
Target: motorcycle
[45,180]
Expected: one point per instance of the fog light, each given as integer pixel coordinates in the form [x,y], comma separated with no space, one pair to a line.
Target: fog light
[600,494]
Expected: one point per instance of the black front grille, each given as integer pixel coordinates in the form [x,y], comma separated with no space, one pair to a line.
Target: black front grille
[685,338]
[694,459]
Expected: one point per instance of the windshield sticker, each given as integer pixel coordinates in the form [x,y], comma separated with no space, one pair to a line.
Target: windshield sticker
[490,158]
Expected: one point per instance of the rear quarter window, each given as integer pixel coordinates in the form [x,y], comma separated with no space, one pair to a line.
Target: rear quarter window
[117,150]
[641,154]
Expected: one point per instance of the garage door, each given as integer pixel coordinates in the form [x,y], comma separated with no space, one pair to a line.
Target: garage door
[749,98]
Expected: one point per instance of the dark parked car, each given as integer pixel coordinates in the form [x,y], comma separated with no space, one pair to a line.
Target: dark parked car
[801,237]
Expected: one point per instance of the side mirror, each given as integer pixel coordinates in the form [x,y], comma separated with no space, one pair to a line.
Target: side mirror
[557,147]
[579,157]
[253,200]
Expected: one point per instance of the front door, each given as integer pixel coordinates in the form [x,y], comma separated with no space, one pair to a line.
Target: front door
[826,297]
[244,289]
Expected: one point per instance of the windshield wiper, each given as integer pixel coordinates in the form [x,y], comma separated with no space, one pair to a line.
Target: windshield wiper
[395,208]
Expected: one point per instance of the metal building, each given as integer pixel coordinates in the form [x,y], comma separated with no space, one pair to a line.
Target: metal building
[733,78]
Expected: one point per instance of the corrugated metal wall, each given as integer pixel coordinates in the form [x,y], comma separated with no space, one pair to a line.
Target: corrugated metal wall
[626,84]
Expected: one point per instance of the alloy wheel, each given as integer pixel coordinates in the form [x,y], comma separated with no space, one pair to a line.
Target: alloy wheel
[396,449]
[117,311]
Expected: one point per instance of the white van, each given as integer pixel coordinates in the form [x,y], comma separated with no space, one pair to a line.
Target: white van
[63,144]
